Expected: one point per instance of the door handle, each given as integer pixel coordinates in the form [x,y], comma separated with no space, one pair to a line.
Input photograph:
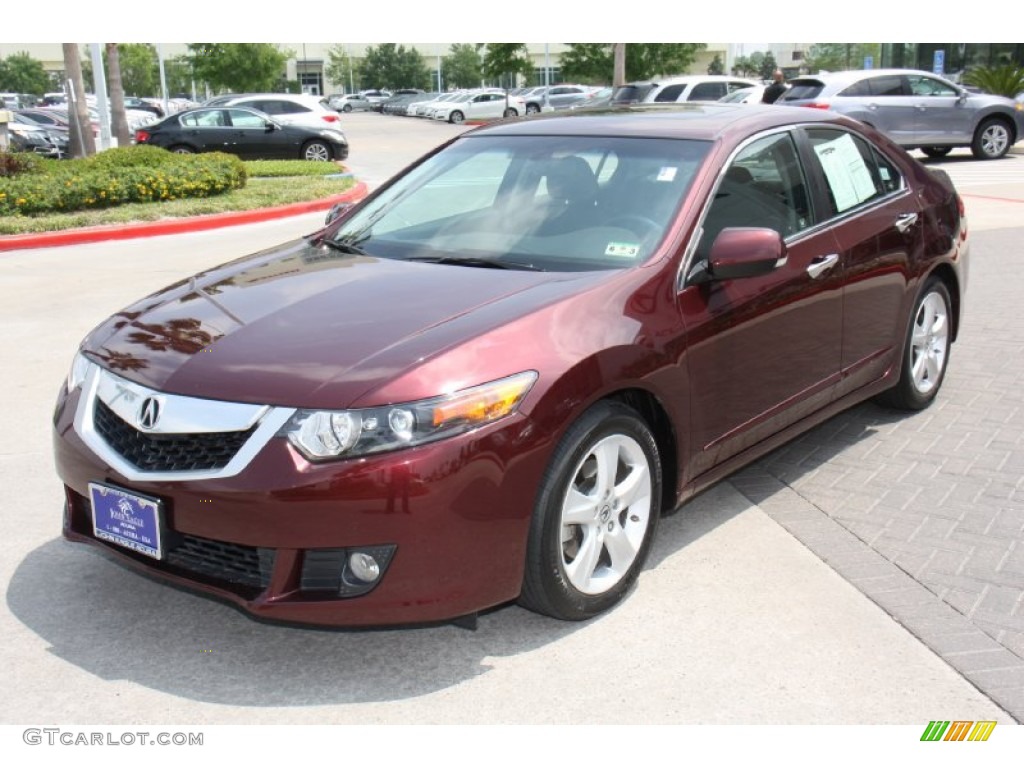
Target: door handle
[822,264]
[905,221]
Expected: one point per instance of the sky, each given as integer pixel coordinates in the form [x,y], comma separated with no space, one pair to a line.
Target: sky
[533,21]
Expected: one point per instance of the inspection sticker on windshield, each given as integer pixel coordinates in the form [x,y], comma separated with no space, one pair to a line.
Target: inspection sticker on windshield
[622,250]
[667,173]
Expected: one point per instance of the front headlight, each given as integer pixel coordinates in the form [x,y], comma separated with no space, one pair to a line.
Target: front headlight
[320,435]
[79,370]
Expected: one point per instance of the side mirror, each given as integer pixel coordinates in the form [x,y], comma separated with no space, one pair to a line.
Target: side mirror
[962,98]
[745,252]
[336,211]
[269,126]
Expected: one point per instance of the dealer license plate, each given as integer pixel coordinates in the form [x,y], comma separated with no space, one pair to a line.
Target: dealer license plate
[126,519]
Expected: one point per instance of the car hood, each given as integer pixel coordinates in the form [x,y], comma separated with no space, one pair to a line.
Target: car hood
[305,326]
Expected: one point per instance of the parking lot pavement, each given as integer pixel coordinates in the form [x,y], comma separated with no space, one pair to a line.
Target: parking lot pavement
[925,513]
[828,591]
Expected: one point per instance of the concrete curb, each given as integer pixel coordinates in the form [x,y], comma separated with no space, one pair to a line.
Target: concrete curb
[175,226]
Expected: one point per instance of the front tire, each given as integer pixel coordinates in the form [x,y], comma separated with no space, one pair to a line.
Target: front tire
[532,109]
[595,516]
[936,151]
[347,108]
[991,140]
[510,112]
[456,117]
[317,151]
[926,352]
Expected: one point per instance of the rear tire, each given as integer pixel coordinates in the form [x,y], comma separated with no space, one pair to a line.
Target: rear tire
[510,112]
[595,516]
[182,149]
[936,151]
[992,140]
[317,151]
[926,350]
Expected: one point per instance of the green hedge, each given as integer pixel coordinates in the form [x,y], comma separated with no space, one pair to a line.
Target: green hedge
[126,175]
[267,169]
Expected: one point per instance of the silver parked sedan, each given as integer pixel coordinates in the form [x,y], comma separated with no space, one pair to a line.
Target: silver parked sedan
[916,109]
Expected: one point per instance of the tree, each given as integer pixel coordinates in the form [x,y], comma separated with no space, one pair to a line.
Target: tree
[241,67]
[587,62]
[116,88]
[463,67]
[393,66]
[716,67]
[756,64]
[833,57]
[340,67]
[82,143]
[1005,81]
[20,73]
[506,60]
[741,66]
[179,76]
[594,62]
[768,66]
[140,71]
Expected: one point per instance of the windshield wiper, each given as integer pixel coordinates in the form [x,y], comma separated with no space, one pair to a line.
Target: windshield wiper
[476,261]
[346,246]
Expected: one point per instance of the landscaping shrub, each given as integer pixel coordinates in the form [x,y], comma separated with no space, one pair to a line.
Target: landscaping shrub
[131,174]
[13,163]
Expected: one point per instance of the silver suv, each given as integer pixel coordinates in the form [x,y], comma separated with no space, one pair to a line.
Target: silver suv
[916,109]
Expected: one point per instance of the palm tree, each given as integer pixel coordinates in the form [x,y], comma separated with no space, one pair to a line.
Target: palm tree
[82,142]
[1005,81]
[116,89]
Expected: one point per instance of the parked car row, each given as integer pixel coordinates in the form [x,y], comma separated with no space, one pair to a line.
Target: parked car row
[916,109]
[27,136]
[460,106]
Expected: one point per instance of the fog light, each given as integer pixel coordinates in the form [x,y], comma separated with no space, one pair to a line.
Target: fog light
[364,567]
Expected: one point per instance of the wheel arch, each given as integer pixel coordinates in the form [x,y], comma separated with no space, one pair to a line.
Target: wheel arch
[1004,118]
[948,276]
[659,422]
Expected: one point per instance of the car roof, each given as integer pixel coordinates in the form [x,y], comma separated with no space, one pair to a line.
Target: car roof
[706,121]
[853,75]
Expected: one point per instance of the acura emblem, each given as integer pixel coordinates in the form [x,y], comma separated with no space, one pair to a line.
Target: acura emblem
[149,413]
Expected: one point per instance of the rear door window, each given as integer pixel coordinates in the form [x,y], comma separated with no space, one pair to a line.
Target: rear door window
[707,92]
[888,85]
[854,173]
[671,92]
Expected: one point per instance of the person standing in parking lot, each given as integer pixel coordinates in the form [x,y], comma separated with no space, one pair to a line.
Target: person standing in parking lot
[776,89]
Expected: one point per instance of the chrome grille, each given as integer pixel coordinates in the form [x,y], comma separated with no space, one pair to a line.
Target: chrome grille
[152,452]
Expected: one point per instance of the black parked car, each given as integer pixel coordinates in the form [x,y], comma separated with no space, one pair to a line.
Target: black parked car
[248,133]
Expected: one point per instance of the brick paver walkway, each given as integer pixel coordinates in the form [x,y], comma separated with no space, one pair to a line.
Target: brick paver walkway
[924,512]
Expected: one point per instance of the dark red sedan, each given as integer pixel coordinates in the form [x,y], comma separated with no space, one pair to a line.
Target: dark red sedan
[487,381]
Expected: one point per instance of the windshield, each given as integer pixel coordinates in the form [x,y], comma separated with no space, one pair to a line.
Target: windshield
[553,203]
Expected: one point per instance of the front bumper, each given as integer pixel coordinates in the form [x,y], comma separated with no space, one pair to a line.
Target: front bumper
[449,521]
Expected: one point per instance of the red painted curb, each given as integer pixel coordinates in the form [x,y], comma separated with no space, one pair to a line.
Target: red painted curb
[174,226]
